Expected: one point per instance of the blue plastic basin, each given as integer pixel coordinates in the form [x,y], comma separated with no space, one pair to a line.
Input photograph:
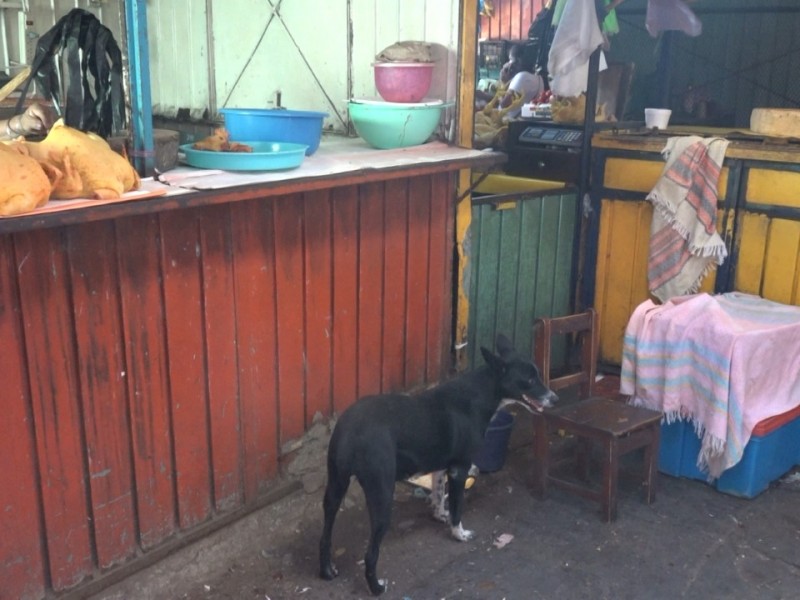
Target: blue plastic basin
[275,125]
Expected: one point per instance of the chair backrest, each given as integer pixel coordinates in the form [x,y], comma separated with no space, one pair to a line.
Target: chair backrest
[582,329]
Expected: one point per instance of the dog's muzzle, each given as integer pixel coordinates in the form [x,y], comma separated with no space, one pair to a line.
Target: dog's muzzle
[540,403]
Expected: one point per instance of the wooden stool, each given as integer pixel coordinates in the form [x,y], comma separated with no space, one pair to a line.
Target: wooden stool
[616,426]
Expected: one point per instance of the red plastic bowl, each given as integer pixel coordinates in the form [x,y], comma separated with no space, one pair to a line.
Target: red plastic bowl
[403,82]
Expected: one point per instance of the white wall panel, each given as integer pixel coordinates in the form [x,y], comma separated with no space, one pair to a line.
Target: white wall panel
[380,23]
[179,60]
[302,55]
[206,54]
[43,14]
[304,52]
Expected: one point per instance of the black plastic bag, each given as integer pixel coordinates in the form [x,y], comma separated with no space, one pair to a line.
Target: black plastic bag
[95,98]
[540,36]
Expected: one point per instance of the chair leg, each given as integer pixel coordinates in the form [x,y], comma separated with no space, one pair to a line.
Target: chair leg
[651,464]
[583,454]
[541,462]
[610,480]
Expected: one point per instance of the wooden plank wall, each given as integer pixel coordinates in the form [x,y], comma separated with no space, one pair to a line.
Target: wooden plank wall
[520,268]
[154,366]
[761,226]
[510,19]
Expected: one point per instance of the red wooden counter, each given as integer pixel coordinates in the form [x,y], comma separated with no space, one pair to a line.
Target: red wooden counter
[159,354]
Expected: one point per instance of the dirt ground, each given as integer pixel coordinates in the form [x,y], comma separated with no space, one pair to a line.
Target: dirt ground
[693,542]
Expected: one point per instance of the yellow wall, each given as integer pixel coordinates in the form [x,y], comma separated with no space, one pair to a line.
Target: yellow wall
[766,247]
[769,248]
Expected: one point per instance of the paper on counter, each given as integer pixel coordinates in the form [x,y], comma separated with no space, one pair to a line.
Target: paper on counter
[344,158]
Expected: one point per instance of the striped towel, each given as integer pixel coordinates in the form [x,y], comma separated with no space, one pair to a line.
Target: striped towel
[724,363]
[684,243]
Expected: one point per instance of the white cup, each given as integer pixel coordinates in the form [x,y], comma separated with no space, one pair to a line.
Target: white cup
[657,117]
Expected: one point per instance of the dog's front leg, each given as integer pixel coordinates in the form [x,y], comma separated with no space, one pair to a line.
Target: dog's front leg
[438,496]
[456,479]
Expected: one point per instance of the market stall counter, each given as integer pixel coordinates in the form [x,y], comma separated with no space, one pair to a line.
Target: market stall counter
[164,351]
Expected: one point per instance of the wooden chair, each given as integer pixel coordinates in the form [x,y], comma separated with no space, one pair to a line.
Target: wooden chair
[616,427]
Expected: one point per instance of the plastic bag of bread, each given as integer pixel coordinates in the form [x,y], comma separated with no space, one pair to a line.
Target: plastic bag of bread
[26,184]
[90,168]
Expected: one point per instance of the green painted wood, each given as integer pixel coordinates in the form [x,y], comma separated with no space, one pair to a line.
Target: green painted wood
[484,281]
[530,218]
[520,268]
[508,274]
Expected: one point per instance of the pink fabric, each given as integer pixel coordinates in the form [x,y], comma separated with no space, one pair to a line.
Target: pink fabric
[724,362]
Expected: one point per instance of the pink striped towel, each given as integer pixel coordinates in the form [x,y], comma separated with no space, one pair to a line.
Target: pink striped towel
[723,362]
[684,243]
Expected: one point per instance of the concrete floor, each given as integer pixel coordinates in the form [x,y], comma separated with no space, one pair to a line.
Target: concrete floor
[693,542]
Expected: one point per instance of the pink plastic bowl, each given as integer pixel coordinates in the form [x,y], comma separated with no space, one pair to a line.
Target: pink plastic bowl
[403,82]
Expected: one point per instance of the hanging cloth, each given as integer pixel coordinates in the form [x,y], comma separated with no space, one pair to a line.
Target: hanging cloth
[684,243]
[95,99]
[609,26]
[577,37]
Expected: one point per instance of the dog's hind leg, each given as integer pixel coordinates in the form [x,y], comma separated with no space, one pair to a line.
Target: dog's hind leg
[334,494]
[379,493]
[456,479]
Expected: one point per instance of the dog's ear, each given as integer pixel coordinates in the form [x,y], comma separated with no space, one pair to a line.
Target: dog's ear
[496,363]
[504,347]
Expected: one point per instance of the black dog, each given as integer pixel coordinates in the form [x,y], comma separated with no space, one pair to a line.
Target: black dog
[388,438]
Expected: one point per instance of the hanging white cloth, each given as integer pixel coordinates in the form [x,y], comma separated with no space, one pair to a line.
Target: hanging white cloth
[577,36]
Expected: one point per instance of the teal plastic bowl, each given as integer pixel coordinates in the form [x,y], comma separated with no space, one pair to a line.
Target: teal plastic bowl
[395,124]
[266,156]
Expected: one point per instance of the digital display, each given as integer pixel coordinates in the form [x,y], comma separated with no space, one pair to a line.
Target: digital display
[532,133]
[541,134]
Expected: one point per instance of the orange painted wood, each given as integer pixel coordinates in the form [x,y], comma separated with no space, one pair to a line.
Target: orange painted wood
[289,288]
[528,12]
[102,373]
[183,312]
[220,340]
[370,288]
[394,284]
[511,19]
[43,281]
[419,263]
[254,293]
[516,26]
[345,221]
[440,277]
[145,392]
[21,542]
[318,252]
[143,321]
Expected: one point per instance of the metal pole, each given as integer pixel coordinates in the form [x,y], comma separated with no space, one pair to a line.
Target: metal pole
[139,68]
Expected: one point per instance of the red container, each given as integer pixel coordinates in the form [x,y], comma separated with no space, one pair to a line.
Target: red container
[403,82]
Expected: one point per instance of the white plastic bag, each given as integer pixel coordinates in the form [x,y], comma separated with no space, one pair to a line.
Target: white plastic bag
[577,36]
[671,15]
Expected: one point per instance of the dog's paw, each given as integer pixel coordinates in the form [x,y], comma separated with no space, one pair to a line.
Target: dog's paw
[461,534]
[377,587]
[328,572]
